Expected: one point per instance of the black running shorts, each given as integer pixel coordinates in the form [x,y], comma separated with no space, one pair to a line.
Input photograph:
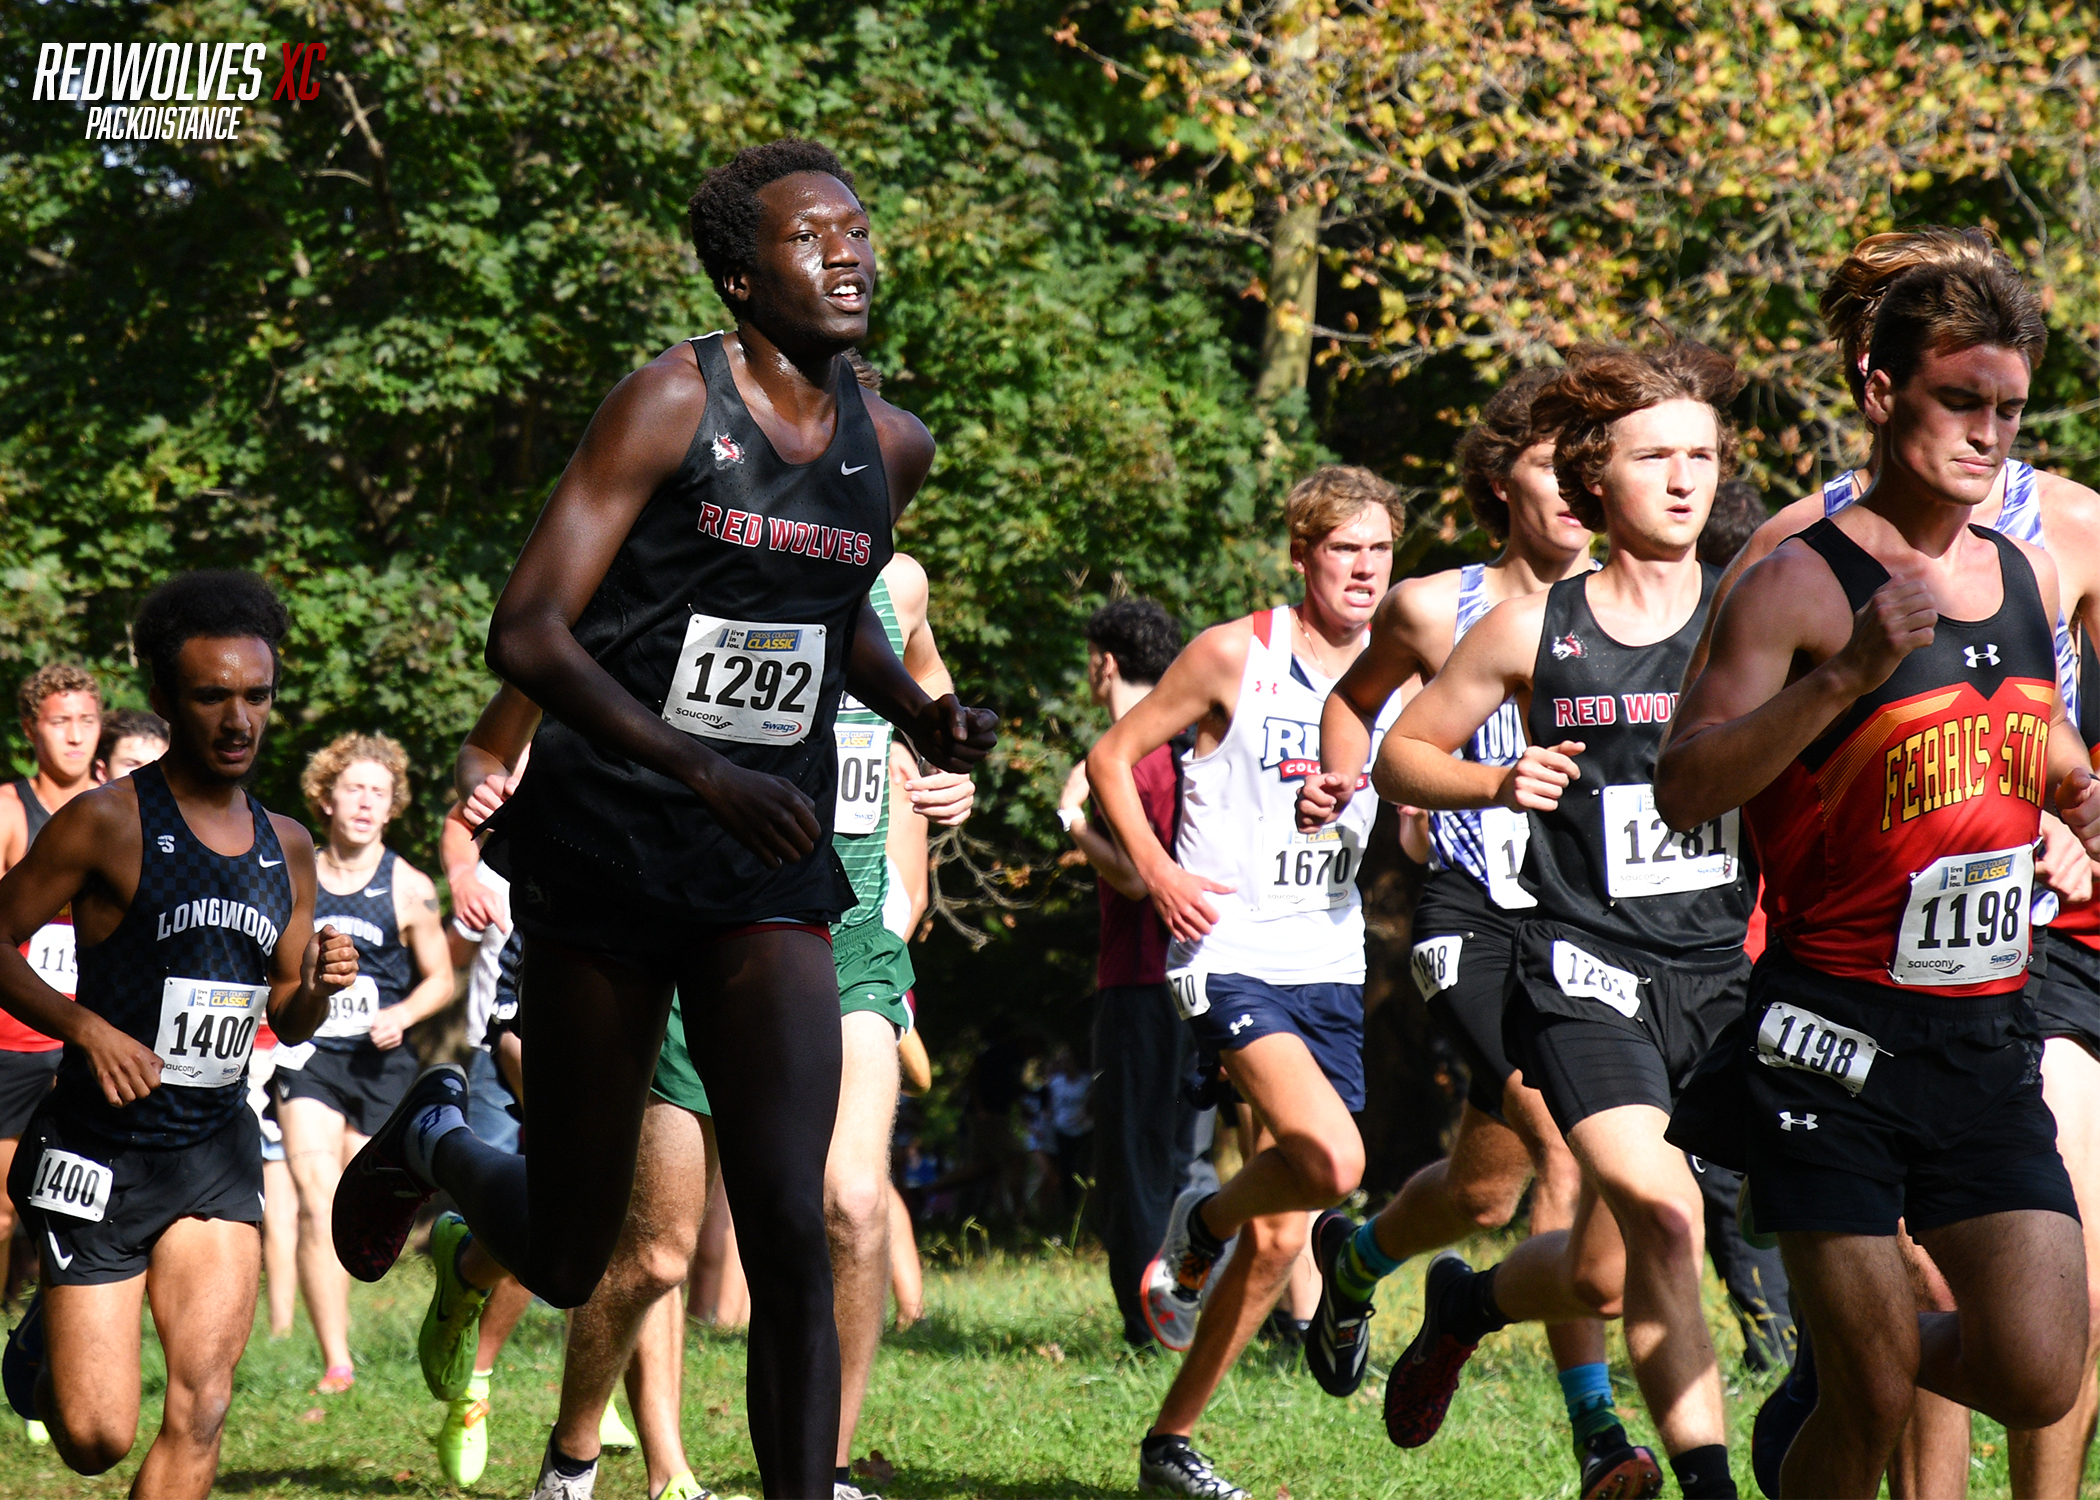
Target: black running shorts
[1894,1103]
[1460,962]
[361,1083]
[25,1077]
[96,1210]
[1595,1026]
[2063,986]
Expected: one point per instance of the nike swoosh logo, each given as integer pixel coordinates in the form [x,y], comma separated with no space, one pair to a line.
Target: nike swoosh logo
[851,468]
[377,890]
[64,1260]
[270,864]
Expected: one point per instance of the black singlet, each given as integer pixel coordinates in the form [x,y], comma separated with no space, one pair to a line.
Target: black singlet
[730,609]
[199,916]
[34,813]
[1592,857]
[366,917]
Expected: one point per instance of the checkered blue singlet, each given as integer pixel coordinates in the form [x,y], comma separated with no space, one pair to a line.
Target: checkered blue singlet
[230,912]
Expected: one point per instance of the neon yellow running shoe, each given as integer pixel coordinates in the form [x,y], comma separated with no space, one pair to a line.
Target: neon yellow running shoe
[685,1487]
[612,1432]
[463,1442]
[452,1325]
[37,1433]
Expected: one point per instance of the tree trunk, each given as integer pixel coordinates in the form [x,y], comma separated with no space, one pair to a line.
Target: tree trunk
[1294,290]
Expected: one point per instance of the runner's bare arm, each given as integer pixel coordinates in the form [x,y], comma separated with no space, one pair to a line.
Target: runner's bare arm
[941,729]
[635,442]
[1415,765]
[308,967]
[81,849]
[1788,659]
[492,749]
[907,451]
[1790,520]
[421,924]
[1393,656]
[2077,795]
[1201,685]
[14,829]
[943,797]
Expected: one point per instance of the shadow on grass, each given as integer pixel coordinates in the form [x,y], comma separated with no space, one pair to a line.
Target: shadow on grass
[943,1332]
[325,1479]
[917,1481]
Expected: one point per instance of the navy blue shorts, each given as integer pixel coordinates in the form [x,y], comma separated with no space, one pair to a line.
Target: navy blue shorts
[1328,1018]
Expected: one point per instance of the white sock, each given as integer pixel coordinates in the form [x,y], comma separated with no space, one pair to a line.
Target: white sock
[431,1125]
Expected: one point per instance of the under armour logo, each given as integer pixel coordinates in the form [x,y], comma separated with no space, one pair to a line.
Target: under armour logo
[1788,1120]
[1986,656]
[1240,1025]
[166,842]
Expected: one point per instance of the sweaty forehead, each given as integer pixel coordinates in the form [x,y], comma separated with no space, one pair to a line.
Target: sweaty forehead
[817,194]
[1678,423]
[229,661]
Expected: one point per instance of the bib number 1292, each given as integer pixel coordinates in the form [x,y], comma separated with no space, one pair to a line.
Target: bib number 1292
[745,681]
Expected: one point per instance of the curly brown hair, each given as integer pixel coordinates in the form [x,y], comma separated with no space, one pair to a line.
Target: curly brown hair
[1851,301]
[1334,496]
[329,762]
[1491,446]
[1602,385]
[54,677]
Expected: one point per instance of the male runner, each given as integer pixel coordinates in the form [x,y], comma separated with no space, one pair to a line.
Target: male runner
[1633,958]
[1898,886]
[130,738]
[1465,924]
[689,610]
[1267,963]
[333,1092]
[142,1175]
[2063,518]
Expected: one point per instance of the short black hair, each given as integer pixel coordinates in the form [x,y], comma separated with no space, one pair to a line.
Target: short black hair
[129,724]
[1140,634]
[215,604]
[1738,511]
[723,213]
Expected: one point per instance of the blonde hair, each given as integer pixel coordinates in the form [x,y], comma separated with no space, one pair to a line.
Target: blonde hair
[318,780]
[1334,496]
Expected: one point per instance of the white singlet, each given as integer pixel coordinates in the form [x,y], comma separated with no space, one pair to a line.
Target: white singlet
[1293,916]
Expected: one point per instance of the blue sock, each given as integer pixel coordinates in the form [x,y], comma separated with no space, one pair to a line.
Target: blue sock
[1362,1265]
[1587,1390]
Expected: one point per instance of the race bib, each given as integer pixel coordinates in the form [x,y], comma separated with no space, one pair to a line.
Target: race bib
[1643,857]
[1309,871]
[753,683]
[1435,962]
[1191,989]
[1584,976]
[351,1009]
[206,1031]
[69,1184]
[1790,1037]
[1966,920]
[51,954]
[864,777]
[1506,835]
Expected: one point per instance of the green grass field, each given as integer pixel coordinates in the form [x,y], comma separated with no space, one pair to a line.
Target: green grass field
[1015,1385]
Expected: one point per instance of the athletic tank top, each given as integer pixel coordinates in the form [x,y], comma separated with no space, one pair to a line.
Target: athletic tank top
[1604,860]
[1898,847]
[730,610]
[861,818]
[386,970]
[2019,517]
[1457,840]
[1294,915]
[50,951]
[186,972]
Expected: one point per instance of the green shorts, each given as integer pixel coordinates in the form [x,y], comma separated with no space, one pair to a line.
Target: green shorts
[874,972]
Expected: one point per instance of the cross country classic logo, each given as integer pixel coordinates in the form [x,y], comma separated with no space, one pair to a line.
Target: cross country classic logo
[195,78]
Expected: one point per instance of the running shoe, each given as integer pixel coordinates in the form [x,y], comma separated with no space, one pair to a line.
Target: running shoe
[24,1360]
[684,1487]
[463,1442]
[555,1485]
[36,1434]
[335,1380]
[1613,1469]
[451,1331]
[1418,1392]
[378,1197]
[840,1490]
[612,1432]
[1780,1419]
[1176,1279]
[1338,1345]
[1169,1466]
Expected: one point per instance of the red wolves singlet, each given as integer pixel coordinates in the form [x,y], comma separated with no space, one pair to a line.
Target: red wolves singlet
[1899,847]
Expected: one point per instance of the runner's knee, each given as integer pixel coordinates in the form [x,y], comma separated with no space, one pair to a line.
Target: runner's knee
[1329,1171]
[1487,1201]
[1665,1229]
[856,1210]
[91,1447]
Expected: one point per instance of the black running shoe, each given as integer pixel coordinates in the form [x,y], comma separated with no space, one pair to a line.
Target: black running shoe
[1338,1344]
[1168,1465]
[1419,1390]
[24,1360]
[1781,1417]
[1614,1469]
[378,1195]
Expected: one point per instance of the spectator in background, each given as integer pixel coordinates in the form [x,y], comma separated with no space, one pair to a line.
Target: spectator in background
[1071,1095]
[131,738]
[1144,1132]
[1738,511]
